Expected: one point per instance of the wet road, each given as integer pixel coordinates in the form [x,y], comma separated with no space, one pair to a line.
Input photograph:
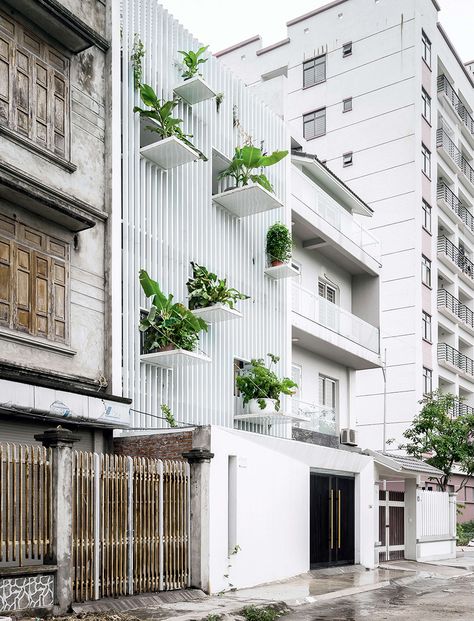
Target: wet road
[431,599]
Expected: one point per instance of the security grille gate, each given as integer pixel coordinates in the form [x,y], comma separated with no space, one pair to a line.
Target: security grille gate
[130,525]
[391,525]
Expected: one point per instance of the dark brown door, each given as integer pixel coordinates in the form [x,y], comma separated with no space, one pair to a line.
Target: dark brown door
[331,520]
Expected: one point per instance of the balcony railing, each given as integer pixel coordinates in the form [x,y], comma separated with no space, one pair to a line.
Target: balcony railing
[449,197]
[460,408]
[448,354]
[445,87]
[456,256]
[448,301]
[321,417]
[309,194]
[444,141]
[318,309]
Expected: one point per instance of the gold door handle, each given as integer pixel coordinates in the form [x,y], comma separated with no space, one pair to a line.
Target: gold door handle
[331,513]
[339,519]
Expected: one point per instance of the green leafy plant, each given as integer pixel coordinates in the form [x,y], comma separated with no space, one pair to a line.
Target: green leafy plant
[279,243]
[443,437]
[261,382]
[138,52]
[168,324]
[266,613]
[206,289]
[246,161]
[168,414]
[165,124]
[464,532]
[192,61]
[219,100]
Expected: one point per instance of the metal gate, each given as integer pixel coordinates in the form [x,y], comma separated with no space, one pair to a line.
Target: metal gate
[391,525]
[130,525]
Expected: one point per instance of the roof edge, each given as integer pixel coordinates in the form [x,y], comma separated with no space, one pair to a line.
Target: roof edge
[273,46]
[321,9]
[236,46]
[454,52]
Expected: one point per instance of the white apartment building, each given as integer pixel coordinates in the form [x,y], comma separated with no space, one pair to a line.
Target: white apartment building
[376,90]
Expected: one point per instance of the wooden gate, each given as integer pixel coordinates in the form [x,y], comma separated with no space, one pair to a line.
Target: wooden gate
[130,525]
[391,525]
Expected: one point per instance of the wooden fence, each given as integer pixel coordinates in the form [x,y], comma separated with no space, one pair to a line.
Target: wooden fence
[130,525]
[25,504]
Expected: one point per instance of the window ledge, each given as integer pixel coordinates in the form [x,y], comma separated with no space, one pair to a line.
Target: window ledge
[31,341]
[31,146]
[314,84]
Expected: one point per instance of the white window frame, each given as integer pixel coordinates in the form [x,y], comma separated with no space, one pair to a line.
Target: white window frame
[314,64]
[426,106]
[426,207]
[299,373]
[426,48]
[347,159]
[426,160]
[347,49]
[426,324]
[313,117]
[427,381]
[325,381]
[327,291]
[426,271]
[347,104]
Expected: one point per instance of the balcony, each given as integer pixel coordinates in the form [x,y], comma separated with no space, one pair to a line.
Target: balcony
[320,418]
[454,360]
[452,256]
[454,157]
[321,222]
[451,204]
[467,122]
[459,408]
[452,308]
[333,332]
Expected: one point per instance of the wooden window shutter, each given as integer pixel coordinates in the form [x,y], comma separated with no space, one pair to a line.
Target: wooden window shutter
[41,287]
[22,321]
[5,80]
[59,314]
[6,284]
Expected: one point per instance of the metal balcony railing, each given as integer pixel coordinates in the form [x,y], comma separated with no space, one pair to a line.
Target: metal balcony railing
[447,247]
[454,357]
[310,195]
[445,86]
[447,300]
[449,197]
[444,142]
[460,408]
[337,319]
[321,417]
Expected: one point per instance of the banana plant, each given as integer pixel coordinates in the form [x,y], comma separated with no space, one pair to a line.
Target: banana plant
[246,163]
[167,324]
[165,124]
[191,62]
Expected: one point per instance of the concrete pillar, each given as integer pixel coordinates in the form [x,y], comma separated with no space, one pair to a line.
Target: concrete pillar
[411,517]
[200,464]
[61,442]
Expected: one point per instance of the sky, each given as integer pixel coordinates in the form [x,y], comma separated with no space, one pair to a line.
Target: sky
[221,24]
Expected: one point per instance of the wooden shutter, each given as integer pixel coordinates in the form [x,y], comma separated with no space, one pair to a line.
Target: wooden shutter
[59,277]
[41,104]
[41,287]
[6,275]
[23,267]
[58,115]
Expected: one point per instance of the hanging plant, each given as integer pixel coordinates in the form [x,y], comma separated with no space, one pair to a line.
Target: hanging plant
[279,244]
[136,57]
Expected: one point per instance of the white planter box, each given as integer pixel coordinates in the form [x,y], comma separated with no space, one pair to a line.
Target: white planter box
[282,271]
[216,313]
[169,153]
[174,358]
[194,91]
[248,200]
[254,408]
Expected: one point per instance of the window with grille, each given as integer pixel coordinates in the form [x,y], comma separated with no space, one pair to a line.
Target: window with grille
[426,105]
[426,161]
[347,104]
[426,216]
[314,124]
[426,48]
[34,88]
[426,326]
[425,271]
[427,381]
[34,281]
[314,71]
[326,291]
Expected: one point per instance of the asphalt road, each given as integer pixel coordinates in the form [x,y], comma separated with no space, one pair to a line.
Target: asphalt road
[430,599]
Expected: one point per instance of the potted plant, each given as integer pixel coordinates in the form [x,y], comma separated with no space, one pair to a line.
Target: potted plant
[246,164]
[168,325]
[164,123]
[192,61]
[279,244]
[261,387]
[206,289]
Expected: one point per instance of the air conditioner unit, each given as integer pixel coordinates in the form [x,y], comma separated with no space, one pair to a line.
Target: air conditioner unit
[349,436]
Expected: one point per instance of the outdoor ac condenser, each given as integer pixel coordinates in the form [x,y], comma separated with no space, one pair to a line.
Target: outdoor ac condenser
[349,436]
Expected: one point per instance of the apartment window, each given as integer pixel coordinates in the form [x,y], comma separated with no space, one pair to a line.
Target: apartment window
[426,105]
[426,326]
[426,48]
[327,392]
[347,104]
[314,71]
[347,159]
[296,376]
[426,216]
[314,124]
[425,271]
[34,88]
[326,291]
[33,281]
[426,161]
[427,381]
[347,49]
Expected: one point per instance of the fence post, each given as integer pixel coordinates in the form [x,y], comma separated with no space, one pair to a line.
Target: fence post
[61,442]
[130,525]
[96,526]
[200,464]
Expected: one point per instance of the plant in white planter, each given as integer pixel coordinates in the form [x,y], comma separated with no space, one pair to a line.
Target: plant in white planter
[261,387]
[279,244]
[245,167]
[192,61]
[168,325]
[206,289]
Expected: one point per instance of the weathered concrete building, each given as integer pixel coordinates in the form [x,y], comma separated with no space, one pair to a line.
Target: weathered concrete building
[55,219]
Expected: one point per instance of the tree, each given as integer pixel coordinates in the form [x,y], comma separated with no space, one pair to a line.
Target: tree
[445,433]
